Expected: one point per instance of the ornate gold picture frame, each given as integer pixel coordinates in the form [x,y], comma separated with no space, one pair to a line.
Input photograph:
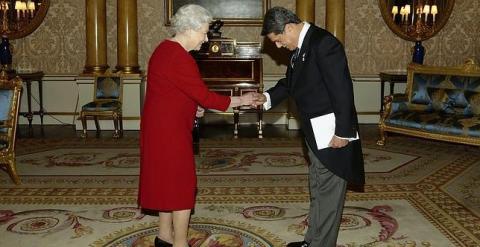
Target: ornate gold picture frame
[16,22]
[231,12]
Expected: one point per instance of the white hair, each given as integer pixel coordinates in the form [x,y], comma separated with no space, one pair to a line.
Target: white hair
[190,16]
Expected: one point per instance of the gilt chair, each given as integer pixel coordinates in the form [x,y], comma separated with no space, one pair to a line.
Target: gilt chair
[10,91]
[106,104]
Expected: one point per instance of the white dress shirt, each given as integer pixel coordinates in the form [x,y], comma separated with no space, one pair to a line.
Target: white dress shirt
[268,104]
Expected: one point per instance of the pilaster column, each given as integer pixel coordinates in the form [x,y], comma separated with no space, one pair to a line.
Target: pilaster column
[335,18]
[96,36]
[306,10]
[127,37]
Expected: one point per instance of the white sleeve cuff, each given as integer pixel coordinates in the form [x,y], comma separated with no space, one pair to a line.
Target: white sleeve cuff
[268,104]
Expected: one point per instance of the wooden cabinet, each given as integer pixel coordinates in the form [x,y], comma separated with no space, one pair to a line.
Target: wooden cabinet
[234,76]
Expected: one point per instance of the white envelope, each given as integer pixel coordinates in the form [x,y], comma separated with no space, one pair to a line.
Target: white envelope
[324,129]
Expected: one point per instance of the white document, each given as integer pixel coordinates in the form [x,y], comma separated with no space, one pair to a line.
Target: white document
[324,129]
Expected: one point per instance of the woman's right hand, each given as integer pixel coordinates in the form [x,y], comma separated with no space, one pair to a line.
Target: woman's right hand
[249,99]
[252,99]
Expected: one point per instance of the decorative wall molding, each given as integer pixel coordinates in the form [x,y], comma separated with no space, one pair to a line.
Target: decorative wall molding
[64,94]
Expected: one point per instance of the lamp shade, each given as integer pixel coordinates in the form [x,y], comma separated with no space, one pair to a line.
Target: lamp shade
[407,9]
[434,10]
[426,9]
[31,5]
[18,5]
[395,10]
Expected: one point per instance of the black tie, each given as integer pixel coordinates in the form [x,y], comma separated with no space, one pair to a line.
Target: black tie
[294,57]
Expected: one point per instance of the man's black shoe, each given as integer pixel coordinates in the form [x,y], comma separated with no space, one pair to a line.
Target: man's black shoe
[298,244]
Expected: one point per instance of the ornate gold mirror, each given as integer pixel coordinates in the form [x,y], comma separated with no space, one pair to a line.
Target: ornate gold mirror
[19,18]
[416,20]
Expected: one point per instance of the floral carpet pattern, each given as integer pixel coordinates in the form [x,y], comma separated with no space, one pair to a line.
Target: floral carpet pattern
[251,193]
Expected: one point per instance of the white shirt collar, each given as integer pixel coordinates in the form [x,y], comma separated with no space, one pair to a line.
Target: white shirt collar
[305,27]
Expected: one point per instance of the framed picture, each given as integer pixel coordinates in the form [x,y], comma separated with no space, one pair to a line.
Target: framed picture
[231,12]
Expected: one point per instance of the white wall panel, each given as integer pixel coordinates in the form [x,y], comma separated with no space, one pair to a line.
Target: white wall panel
[63,96]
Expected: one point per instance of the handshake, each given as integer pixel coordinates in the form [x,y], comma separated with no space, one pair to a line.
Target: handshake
[252,99]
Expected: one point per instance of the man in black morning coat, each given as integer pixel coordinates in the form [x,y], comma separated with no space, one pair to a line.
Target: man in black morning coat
[319,81]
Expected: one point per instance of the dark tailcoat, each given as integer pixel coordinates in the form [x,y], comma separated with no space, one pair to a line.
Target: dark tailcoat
[320,83]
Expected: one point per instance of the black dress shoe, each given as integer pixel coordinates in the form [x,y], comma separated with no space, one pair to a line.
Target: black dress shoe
[298,244]
[161,243]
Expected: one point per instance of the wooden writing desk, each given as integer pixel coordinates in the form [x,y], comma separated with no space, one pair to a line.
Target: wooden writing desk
[234,76]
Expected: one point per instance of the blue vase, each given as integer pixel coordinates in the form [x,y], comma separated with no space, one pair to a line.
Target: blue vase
[418,53]
[5,53]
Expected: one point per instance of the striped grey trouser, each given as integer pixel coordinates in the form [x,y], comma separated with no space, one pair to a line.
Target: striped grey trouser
[327,197]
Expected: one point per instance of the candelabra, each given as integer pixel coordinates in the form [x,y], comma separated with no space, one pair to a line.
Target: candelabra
[15,14]
[417,20]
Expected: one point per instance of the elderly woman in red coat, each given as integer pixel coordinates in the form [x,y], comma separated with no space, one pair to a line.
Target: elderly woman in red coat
[174,91]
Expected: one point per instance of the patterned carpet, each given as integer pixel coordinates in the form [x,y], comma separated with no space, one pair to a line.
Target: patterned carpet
[251,193]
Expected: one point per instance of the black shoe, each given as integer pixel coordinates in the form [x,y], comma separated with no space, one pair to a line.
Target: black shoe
[161,243]
[298,244]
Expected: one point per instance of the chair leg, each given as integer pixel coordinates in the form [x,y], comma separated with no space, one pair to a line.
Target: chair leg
[97,126]
[115,124]
[12,171]
[260,123]
[84,125]
[383,135]
[236,120]
[120,120]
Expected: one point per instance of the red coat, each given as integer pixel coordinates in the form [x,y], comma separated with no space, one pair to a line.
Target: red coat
[167,166]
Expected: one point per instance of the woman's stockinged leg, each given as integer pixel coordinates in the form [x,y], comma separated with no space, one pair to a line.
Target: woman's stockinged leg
[165,226]
[180,227]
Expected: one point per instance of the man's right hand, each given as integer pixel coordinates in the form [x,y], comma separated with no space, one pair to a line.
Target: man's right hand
[253,99]
[260,99]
